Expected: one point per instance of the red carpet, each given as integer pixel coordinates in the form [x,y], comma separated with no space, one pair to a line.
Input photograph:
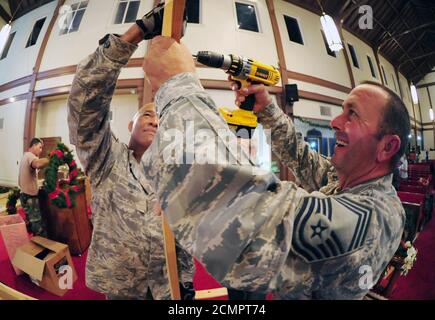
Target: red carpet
[22,283]
[419,283]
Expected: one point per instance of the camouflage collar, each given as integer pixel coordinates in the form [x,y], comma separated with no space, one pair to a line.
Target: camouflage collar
[383,183]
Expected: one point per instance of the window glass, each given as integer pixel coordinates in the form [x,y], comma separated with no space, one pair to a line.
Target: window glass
[33,37]
[293,30]
[246,17]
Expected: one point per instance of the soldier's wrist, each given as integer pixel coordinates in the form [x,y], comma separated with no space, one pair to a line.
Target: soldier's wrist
[268,112]
[134,35]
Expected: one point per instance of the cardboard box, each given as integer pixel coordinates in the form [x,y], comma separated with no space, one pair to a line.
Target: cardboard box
[42,259]
[14,233]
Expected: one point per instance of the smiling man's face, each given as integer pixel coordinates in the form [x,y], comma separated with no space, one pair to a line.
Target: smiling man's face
[144,125]
[357,130]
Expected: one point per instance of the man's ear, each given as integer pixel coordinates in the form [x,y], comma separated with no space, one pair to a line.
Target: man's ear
[130,126]
[390,146]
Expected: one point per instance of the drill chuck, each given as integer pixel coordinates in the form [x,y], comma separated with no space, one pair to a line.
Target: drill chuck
[214,60]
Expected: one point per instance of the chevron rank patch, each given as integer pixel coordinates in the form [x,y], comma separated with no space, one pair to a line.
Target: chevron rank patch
[329,227]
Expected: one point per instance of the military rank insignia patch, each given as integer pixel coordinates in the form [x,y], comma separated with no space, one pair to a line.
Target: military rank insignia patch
[329,227]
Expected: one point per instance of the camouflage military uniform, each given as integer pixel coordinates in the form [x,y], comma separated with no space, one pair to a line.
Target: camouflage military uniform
[36,223]
[313,170]
[126,255]
[254,232]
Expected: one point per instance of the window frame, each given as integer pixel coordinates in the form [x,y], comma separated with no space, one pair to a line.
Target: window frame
[200,17]
[31,32]
[68,29]
[2,56]
[371,67]
[394,82]
[350,45]
[117,2]
[236,19]
[299,27]
[384,74]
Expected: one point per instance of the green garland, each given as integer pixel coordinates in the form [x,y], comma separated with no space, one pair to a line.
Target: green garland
[11,204]
[61,197]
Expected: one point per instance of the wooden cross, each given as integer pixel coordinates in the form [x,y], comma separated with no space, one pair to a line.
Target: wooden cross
[173,18]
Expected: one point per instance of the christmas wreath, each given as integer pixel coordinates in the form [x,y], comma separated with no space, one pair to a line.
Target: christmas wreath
[11,204]
[61,197]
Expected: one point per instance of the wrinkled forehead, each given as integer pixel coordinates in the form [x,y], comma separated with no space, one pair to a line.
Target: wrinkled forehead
[366,93]
[149,107]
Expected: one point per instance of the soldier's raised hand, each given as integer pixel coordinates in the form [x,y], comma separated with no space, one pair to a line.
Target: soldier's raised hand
[262,97]
[165,59]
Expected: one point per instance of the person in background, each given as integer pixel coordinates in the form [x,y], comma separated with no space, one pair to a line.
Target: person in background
[28,183]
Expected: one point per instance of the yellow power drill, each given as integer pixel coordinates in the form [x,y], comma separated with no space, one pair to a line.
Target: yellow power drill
[244,72]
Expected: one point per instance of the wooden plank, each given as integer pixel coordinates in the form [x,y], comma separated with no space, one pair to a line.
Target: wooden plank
[317,81]
[319,97]
[20,97]
[7,293]
[67,70]
[425,85]
[281,97]
[211,293]
[172,27]
[16,83]
[147,93]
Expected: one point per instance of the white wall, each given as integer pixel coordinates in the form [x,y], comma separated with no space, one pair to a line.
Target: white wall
[310,58]
[390,73]
[14,91]
[11,138]
[51,120]
[21,60]
[123,107]
[424,103]
[311,109]
[71,48]
[423,96]
[362,50]
[218,32]
[429,78]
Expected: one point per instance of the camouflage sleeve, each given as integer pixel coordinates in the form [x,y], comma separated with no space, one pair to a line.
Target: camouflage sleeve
[231,216]
[250,230]
[89,103]
[220,212]
[309,167]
